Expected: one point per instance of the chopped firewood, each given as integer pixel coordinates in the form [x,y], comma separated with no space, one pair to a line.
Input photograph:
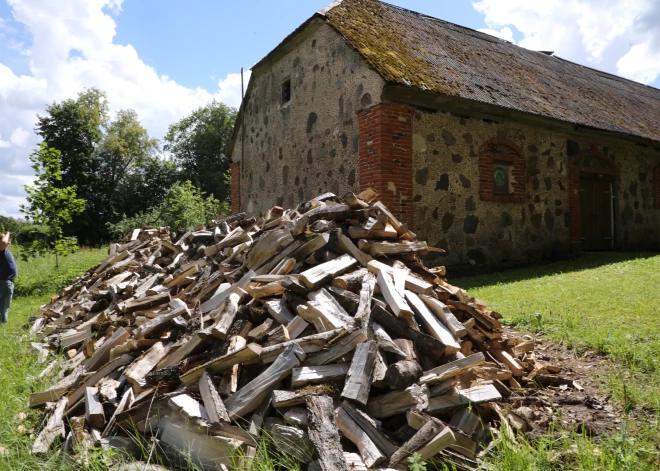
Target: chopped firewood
[324,434]
[319,374]
[270,321]
[252,394]
[398,402]
[370,453]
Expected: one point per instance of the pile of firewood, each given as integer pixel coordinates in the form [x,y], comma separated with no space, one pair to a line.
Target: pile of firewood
[319,328]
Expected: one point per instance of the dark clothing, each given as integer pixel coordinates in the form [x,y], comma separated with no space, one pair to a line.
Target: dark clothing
[8,270]
[6,293]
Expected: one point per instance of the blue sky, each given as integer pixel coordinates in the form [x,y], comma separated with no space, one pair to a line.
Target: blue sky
[164,58]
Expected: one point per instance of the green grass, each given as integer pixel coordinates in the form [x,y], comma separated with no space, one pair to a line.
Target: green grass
[19,367]
[608,303]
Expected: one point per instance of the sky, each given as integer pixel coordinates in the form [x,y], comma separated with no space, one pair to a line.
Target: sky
[165,58]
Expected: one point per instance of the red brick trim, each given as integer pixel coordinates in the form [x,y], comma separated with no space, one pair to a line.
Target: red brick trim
[516,162]
[575,169]
[385,152]
[235,174]
[656,186]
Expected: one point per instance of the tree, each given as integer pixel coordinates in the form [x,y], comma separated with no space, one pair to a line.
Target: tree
[50,205]
[75,128]
[199,145]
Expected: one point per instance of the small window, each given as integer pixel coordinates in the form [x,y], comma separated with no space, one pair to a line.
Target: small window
[501,179]
[286,92]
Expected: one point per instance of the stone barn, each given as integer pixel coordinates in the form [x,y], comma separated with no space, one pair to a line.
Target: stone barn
[495,153]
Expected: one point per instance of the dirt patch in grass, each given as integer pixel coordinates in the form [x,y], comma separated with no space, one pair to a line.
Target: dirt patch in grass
[581,403]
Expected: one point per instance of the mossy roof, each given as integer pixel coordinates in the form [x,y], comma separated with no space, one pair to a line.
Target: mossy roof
[426,53]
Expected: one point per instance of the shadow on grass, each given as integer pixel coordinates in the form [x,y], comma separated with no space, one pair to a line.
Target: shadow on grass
[586,261]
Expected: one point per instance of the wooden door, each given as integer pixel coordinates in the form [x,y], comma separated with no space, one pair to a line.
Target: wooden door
[596,213]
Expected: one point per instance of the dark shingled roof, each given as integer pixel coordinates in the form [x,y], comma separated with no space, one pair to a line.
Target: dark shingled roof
[415,50]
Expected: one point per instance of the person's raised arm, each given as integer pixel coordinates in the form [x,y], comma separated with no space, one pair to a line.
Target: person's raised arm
[4,240]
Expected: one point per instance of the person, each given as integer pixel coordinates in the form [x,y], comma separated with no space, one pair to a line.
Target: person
[8,272]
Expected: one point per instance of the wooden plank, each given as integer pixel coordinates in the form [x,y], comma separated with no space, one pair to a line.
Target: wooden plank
[323,273]
[414,284]
[370,453]
[433,326]
[324,434]
[371,428]
[252,394]
[427,345]
[463,398]
[397,402]
[360,374]
[443,313]
[452,369]
[247,355]
[397,303]
[54,428]
[318,374]
[94,409]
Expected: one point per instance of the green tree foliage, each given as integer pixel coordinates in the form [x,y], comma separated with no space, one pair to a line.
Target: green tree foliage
[113,163]
[183,207]
[50,205]
[199,145]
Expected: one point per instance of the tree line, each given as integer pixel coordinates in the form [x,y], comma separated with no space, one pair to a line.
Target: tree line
[98,175]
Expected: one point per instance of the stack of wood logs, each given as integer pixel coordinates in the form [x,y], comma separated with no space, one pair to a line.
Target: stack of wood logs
[320,328]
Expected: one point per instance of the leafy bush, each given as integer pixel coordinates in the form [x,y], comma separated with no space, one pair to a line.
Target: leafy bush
[183,207]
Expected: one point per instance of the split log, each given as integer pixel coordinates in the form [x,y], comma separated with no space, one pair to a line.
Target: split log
[414,284]
[443,313]
[310,344]
[102,355]
[279,311]
[396,302]
[452,369]
[351,281]
[93,409]
[215,408]
[398,402]
[427,345]
[188,407]
[360,374]
[324,435]
[247,355]
[371,428]
[442,440]
[139,369]
[463,398]
[341,346]
[370,453]
[319,275]
[293,441]
[54,428]
[433,327]
[429,430]
[402,374]
[318,374]
[252,394]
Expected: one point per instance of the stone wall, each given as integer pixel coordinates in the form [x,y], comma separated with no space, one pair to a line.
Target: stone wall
[451,214]
[309,146]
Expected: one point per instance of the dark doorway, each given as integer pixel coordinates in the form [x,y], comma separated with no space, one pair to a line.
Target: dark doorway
[596,213]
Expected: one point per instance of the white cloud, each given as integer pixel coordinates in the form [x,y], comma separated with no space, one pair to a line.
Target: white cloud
[505,33]
[619,37]
[72,49]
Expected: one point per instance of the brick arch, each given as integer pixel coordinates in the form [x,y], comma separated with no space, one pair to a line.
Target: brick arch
[656,186]
[581,164]
[513,158]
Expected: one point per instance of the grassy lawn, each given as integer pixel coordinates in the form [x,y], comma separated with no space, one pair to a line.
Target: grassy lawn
[19,366]
[605,302]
